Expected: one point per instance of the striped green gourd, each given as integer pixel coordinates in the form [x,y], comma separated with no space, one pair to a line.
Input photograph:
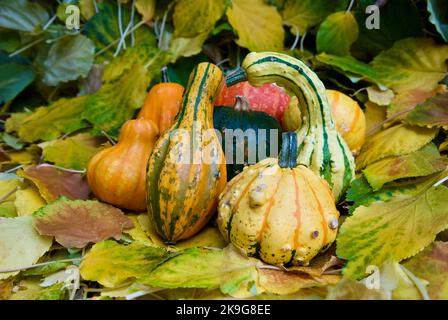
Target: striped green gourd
[183,185]
[320,147]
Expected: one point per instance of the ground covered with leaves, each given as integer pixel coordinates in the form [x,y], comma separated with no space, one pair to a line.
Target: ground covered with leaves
[65,94]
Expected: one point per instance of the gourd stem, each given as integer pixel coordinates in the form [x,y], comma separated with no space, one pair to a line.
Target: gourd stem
[241,104]
[288,154]
[235,77]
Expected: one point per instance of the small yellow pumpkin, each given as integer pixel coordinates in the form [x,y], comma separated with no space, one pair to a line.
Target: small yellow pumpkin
[117,175]
[349,118]
[278,211]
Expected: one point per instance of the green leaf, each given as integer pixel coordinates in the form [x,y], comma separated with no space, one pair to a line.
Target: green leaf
[142,54]
[116,102]
[192,18]
[432,265]
[423,162]
[259,26]
[111,264]
[394,26]
[306,14]
[48,123]
[12,141]
[22,15]
[14,78]
[20,245]
[394,141]
[337,33]
[431,113]
[31,290]
[412,64]
[226,269]
[352,68]
[73,152]
[103,29]
[68,59]
[75,223]
[439,16]
[393,230]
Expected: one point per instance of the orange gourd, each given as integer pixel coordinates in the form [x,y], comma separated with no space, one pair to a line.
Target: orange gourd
[349,119]
[117,175]
[162,104]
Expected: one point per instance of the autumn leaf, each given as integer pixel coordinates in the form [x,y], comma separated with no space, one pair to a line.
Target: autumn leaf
[226,269]
[412,64]
[72,152]
[54,183]
[302,15]
[423,162]
[432,265]
[9,184]
[20,244]
[192,18]
[282,282]
[28,201]
[187,47]
[394,141]
[406,101]
[259,26]
[30,289]
[380,97]
[75,223]
[431,113]
[337,33]
[47,123]
[394,230]
[111,264]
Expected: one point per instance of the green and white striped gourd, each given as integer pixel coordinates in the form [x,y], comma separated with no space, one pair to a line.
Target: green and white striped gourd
[320,146]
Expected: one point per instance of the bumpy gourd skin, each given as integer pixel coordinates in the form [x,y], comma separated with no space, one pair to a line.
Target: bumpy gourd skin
[117,174]
[281,215]
[320,146]
[183,183]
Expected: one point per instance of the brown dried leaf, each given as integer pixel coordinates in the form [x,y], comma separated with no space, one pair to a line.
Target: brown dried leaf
[75,223]
[54,183]
[284,282]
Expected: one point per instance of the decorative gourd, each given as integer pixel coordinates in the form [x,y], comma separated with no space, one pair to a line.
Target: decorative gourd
[268,98]
[258,128]
[187,169]
[320,146]
[349,118]
[117,174]
[277,211]
[162,104]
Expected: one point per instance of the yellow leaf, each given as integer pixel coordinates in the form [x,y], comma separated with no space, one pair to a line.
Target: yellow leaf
[28,201]
[186,47]
[20,244]
[146,8]
[394,141]
[375,115]
[192,18]
[380,97]
[420,163]
[393,230]
[259,26]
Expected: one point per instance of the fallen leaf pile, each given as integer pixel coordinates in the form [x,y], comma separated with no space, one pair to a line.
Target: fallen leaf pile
[65,94]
